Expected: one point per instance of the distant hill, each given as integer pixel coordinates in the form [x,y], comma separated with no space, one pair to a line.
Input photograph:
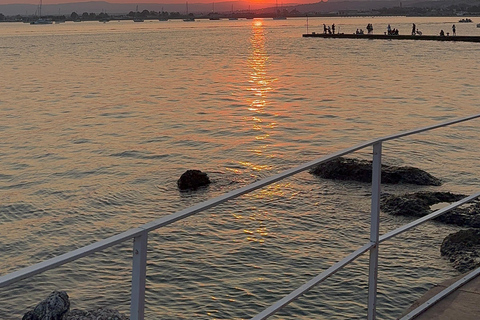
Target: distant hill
[122,8]
[366,5]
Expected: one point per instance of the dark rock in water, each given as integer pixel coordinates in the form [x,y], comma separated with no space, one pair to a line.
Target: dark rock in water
[193,179]
[418,205]
[97,314]
[463,249]
[54,307]
[361,170]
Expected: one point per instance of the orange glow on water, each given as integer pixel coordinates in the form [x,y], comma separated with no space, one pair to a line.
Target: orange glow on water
[258,23]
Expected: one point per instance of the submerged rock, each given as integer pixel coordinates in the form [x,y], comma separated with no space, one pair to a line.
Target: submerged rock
[419,205]
[361,170]
[192,180]
[54,307]
[463,249]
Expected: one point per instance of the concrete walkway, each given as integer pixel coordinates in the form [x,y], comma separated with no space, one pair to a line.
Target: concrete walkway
[461,304]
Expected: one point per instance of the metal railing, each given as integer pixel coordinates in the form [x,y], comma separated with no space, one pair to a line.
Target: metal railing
[140,234]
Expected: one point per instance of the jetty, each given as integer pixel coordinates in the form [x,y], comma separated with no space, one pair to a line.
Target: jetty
[392,37]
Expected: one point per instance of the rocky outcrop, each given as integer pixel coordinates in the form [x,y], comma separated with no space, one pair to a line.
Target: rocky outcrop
[192,180]
[463,249]
[54,307]
[361,170]
[57,307]
[419,204]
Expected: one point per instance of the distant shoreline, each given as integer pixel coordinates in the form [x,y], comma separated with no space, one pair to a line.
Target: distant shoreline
[106,18]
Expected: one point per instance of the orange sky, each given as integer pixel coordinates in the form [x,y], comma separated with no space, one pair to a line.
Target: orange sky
[151,1]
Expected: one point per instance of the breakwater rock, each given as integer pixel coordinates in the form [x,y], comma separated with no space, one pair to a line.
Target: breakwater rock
[419,204]
[463,249]
[57,307]
[54,307]
[361,170]
[192,180]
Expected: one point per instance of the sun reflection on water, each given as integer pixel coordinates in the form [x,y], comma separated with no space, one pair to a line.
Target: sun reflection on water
[259,83]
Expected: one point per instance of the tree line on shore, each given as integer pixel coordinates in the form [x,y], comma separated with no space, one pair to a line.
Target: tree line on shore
[294,11]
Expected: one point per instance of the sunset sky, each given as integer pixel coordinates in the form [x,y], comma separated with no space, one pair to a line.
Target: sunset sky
[46,2]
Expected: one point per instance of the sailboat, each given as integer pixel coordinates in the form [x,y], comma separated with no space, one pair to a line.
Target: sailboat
[213,15]
[277,15]
[137,18]
[40,20]
[233,15]
[250,14]
[104,18]
[163,16]
[189,19]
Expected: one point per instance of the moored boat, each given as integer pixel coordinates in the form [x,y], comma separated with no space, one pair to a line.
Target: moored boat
[41,21]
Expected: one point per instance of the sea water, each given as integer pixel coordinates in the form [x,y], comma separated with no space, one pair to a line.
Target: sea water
[99,120]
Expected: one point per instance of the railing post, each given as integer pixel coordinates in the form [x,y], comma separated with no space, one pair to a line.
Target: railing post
[139,273]
[374,230]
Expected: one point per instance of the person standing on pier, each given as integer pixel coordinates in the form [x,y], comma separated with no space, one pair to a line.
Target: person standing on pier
[414,29]
[454,30]
[369,28]
[324,29]
[333,28]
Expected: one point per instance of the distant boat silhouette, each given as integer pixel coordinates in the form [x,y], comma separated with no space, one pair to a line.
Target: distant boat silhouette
[40,20]
[233,15]
[277,15]
[136,18]
[189,19]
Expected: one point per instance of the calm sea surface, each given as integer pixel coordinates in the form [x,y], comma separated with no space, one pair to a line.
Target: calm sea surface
[98,121]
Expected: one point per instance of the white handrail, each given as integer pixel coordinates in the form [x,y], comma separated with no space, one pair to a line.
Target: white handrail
[140,233]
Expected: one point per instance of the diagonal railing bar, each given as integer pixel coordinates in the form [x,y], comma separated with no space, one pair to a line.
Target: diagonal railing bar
[442,294]
[430,216]
[81,252]
[287,173]
[301,290]
[67,257]
[313,282]
[140,233]
[26,272]
[435,126]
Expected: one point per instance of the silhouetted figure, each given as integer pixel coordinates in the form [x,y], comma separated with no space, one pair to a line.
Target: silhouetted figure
[328,30]
[454,30]
[414,29]
[333,28]
[369,28]
[324,29]
[389,29]
[442,33]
